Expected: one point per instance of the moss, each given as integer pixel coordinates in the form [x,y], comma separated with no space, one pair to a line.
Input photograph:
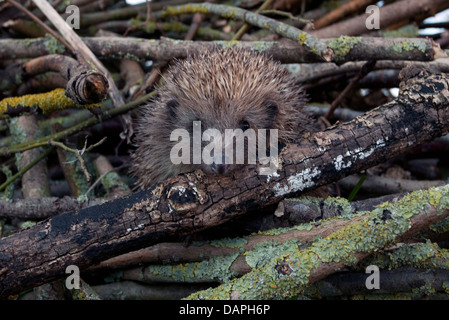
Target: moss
[426,289]
[262,46]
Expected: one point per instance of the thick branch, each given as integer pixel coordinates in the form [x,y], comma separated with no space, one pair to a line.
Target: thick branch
[389,14]
[291,266]
[48,102]
[192,202]
[84,86]
[346,48]
[314,45]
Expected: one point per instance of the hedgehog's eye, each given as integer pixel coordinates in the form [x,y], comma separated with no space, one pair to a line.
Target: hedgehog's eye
[172,106]
[245,125]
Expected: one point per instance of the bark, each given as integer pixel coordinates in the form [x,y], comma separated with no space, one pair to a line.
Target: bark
[285,270]
[40,209]
[391,14]
[80,49]
[192,202]
[376,185]
[294,212]
[346,48]
[35,182]
[393,282]
[83,86]
[345,10]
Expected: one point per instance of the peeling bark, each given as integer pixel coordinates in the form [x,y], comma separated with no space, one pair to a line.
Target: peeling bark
[192,202]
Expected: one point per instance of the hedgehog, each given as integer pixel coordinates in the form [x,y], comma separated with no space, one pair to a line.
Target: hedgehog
[223,88]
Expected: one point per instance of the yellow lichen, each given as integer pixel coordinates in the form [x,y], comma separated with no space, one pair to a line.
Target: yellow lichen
[48,102]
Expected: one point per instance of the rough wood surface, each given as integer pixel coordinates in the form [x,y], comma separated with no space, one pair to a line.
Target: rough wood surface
[192,202]
[287,51]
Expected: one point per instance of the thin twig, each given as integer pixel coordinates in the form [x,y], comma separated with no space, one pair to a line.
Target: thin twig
[315,45]
[288,15]
[76,128]
[367,67]
[78,153]
[239,34]
[26,168]
[80,48]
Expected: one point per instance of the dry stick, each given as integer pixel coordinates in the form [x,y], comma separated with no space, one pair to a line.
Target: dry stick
[25,169]
[303,207]
[285,270]
[83,85]
[194,26]
[317,47]
[78,153]
[80,49]
[43,208]
[390,14]
[43,25]
[239,34]
[126,12]
[193,202]
[367,67]
[76,128]
[150,80]
[35,182]
[341,12]
[347,49]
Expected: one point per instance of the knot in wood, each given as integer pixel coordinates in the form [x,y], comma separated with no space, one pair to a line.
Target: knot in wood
[185,197]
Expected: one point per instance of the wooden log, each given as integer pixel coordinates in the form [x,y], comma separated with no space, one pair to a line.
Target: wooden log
[185,204]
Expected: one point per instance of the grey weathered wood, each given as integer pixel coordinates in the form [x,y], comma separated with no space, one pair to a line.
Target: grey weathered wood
[192,202]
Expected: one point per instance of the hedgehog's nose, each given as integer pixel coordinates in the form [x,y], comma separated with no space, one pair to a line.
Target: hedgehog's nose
[220,168]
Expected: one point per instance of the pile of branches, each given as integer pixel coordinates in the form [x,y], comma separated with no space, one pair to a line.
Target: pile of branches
[367,193]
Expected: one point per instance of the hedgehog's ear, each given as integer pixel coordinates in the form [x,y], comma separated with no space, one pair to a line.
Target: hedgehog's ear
[272,109]
[172,106]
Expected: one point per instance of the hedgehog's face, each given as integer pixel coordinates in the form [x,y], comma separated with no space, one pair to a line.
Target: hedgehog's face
[229,129]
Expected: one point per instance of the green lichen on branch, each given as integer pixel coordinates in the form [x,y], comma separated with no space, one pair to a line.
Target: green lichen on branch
[11,149]
[287,272]
[342,46]
[251,18]
[418,255]
[211,270]
[409,45]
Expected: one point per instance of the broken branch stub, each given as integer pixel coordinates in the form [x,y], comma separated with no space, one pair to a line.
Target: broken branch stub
[194,201]
[83,87]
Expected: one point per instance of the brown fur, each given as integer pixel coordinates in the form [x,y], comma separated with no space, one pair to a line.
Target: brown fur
[221,88]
